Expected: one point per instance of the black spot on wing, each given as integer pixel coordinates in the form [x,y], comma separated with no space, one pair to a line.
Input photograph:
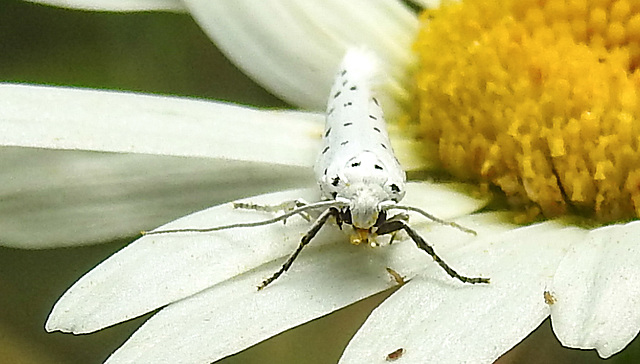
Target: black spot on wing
[377,166]
[384,146]
[344,143]
[355,164]
[376,101]
[348,104]
[337,94]
[325,149]
[347,124]
[377,129]
[326,134]
[353,88]
[373,117]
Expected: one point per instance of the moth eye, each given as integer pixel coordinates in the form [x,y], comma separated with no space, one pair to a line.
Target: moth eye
[395,188]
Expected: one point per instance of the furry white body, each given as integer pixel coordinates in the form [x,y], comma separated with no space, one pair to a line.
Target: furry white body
[358,174]
[356,164]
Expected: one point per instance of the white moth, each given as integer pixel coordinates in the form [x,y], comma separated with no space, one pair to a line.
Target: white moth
[356,165]
[360,178]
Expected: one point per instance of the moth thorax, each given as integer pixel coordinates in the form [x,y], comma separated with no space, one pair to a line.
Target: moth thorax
[364,204]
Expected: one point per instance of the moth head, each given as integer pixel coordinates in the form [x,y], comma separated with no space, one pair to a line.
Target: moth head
[365,202]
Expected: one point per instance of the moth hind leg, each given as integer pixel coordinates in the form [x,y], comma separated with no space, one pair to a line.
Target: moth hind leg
[285,206]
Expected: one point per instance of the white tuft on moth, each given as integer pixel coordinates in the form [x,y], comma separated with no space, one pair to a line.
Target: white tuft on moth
[359,177]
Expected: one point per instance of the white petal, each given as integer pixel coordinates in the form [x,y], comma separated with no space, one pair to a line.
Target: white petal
[233,316]
[322,280]
[446,321]
[54,198]
[444,200]
[160,269]
[597,291]
[293,47]
[117,5]
[65,118]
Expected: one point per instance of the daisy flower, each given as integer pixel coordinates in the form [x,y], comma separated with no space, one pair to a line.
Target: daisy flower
[535,100]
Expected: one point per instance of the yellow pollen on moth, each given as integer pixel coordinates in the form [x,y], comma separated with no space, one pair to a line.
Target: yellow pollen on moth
[538,98]
[360,236]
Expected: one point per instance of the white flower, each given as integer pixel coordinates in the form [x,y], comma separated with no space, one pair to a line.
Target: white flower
[207,281]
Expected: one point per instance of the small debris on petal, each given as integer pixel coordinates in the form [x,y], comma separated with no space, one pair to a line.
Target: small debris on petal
[396,276]
[395,355]
[549,298]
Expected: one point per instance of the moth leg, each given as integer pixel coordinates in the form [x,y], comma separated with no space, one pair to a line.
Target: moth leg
[397,217]
[284,207]
[393,226]
[320,221]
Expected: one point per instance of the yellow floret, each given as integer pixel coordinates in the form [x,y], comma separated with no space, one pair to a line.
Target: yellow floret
[539,98]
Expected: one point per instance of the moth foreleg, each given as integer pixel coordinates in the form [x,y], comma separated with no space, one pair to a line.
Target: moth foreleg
[320,221]
[396,225]
[397,217]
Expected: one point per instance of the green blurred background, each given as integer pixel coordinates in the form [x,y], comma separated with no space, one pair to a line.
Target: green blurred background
[158,53]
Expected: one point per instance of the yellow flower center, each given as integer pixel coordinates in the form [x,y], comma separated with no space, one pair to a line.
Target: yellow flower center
[539,98]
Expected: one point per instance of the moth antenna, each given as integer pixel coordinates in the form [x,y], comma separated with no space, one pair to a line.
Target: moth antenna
[433,218]
[313,206]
